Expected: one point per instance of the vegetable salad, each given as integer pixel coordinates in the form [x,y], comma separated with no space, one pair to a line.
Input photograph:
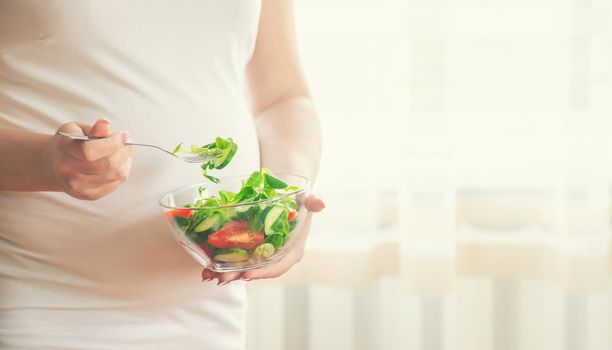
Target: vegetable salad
[248,225]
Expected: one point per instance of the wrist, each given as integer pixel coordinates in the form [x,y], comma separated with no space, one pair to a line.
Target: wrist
[43,164]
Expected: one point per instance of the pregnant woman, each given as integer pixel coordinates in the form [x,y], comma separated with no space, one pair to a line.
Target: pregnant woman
[86,259]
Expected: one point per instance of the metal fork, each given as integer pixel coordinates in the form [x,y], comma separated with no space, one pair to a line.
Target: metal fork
[184,156]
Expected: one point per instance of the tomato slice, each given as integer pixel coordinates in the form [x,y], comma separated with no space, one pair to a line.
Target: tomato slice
[292,215]
[236,234]
[178,212]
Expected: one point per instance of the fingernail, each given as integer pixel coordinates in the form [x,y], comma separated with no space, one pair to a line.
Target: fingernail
[223,283]
[105,120]
[247,279]
[125,137]
[208,279]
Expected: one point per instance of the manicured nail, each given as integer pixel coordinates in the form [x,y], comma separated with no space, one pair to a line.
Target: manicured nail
[125,137]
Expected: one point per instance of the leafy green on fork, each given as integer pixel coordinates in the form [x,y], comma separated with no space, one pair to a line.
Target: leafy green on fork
[221,152]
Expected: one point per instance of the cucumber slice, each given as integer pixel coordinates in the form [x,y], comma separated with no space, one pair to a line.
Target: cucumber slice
[226,155]
[231,255]
[210,224]
[271,217]
[264,250]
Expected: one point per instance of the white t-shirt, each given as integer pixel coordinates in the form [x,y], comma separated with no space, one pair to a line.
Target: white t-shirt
[107,274]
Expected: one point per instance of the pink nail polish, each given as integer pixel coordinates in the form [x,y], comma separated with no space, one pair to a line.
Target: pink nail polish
[125,137]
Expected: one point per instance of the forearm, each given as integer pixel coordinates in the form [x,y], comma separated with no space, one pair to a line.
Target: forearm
[290,137]
[23,162]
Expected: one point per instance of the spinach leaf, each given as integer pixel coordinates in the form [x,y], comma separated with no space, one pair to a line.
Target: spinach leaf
[181,221]
[255,223]
[255,179]
[211,178]
[226,196]
[276,240]
[274,182]
[245,194]
[281,225]
[221,143]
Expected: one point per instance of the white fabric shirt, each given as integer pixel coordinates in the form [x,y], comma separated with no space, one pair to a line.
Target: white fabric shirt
[107,274]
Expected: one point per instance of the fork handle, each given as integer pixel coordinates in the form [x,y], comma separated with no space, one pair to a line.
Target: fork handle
[91,138]
[87,138]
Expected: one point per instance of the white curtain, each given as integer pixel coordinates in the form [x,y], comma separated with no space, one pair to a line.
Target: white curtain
[467,173]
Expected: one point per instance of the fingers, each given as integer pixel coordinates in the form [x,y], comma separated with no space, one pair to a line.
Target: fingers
[100,166]
[208,275]
[91,151]
[223,278]
[96,149]
[101,128]
[314,203]
[116,174]
[91,169]
[227,277]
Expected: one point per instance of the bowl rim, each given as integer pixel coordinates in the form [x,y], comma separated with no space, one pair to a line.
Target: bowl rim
[301,189]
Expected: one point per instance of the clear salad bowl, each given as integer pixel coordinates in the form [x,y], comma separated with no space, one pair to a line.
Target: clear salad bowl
[223,235]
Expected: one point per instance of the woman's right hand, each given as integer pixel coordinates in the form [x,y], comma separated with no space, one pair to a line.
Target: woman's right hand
[89,170]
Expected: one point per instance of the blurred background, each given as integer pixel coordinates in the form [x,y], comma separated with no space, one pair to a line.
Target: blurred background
[467,177]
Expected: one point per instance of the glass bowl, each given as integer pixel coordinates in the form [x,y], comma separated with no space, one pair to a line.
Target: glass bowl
[236,237]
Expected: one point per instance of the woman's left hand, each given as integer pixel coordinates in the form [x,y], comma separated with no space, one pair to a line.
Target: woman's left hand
[314,204]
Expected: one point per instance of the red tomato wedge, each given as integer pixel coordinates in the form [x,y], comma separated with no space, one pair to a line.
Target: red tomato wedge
[178,212]
[236,234]
[292,215]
